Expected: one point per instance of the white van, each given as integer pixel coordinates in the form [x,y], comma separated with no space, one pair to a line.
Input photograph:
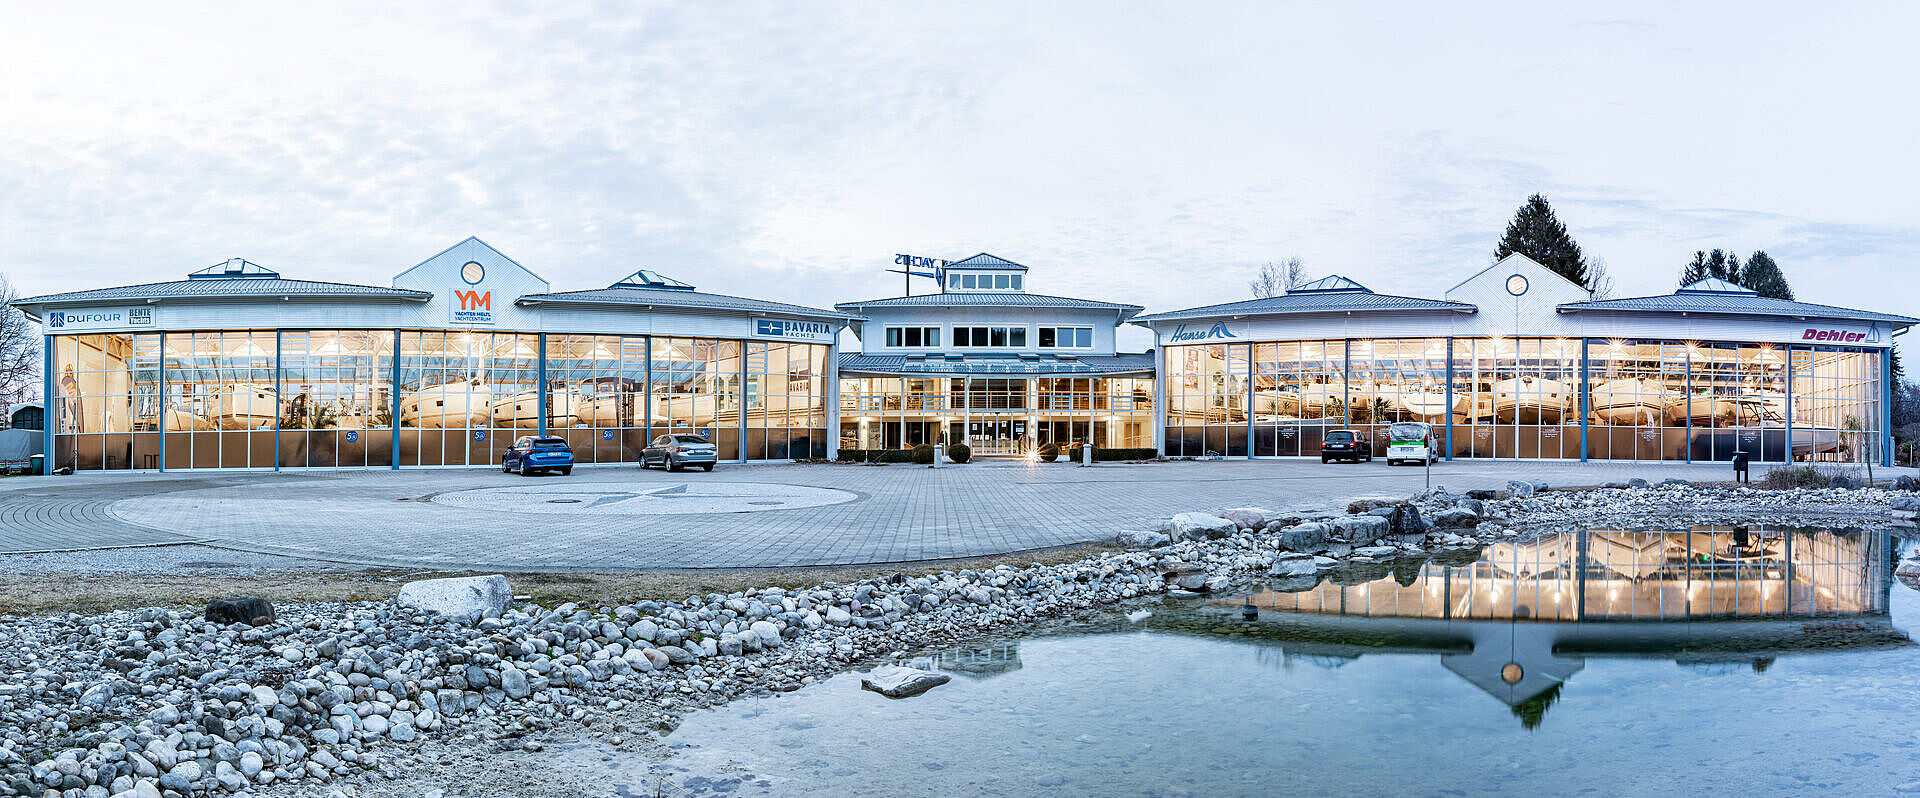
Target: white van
[1411,442]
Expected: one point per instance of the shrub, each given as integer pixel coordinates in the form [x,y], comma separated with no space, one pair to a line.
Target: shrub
[1805,476]
[1049,452]
[923,454]
[1110,455]
[876,455]
[959,453]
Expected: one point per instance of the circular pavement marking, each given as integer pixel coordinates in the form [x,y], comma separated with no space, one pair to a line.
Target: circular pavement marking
[687,498]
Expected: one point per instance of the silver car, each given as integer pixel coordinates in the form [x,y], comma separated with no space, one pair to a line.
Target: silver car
[678,451]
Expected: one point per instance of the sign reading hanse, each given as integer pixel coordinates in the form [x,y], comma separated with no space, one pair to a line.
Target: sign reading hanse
[1218,331]
[781,328]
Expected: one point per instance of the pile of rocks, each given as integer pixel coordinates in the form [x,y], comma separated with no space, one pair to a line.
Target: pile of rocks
[1675,503]
[164,702]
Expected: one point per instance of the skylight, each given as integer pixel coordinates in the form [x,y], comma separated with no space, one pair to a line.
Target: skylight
[648,278]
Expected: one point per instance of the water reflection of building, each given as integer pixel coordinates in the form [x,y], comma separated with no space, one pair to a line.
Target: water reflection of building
[1525,617]
[976,661]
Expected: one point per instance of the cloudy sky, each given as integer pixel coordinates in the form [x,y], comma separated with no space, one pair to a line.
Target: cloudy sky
[1151,153]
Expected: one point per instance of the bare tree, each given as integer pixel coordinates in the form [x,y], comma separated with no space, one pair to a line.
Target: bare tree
[1275,279]
[19,351]
[1598,278]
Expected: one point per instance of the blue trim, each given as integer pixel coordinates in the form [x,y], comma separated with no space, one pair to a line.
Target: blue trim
[278,397]
[544,398]
[1787,352]
[1449,408]
[50,410]
[1886,408]
[161,374]
[1688,387]
[1586,387]
[393,402]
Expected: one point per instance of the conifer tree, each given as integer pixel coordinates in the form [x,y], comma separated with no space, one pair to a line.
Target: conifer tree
[1538,234]
[1764,276]
[1719,263]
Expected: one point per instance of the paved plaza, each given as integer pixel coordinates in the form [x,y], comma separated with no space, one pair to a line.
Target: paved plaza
[761,516]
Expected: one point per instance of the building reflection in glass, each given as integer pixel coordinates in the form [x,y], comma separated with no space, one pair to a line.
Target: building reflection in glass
[1522,618]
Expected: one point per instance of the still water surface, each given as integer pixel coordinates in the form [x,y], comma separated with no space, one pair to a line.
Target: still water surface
[1608,663]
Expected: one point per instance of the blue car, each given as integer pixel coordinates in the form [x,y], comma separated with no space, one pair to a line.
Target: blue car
[531,455]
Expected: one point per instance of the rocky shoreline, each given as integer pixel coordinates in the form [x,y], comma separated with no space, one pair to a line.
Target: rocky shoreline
[162,702]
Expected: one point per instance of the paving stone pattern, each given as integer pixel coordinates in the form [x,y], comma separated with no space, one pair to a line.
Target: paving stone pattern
[901,513]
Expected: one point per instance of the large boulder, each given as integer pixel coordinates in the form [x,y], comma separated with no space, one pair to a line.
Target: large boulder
[1844,482]
[1368,503]
[1186,576]
[1403,519]
[461,595]
[1675,482]
[1309,537]
[1142,539]
[1456,518]
[253,611]
[1637,482]
[1519,489]
[894,681]
[1297,566]
[1906,504]
[1904,482]
[1360,530]
[1201,526]
[1246,517]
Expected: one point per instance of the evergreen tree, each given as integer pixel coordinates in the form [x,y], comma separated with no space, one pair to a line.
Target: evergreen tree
[1764,276]
[1538,234]
[1718,263]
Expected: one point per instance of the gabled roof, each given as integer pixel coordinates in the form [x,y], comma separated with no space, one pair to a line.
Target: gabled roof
[1739,302]
[620,295]
[986,261]
[213,289]
[1006,299]
[1340,299]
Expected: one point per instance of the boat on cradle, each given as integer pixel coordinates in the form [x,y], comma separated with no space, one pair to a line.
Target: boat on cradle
[1630,401]
[243,405]
[1530,400]
[464,403]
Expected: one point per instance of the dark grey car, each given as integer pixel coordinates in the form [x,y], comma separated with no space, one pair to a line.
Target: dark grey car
[675,452]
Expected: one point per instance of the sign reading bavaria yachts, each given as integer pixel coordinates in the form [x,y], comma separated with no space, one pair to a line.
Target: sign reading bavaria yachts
[781,328]
[99,319]
[1219,331]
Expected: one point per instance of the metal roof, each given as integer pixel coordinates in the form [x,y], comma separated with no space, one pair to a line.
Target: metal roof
[1015,364]
[635,296]
[1731,304]
[986,261]
[1318,301]
[192,289]
[1008,299]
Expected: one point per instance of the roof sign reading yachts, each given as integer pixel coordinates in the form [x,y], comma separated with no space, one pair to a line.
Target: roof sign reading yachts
[779,328]
[1216,332]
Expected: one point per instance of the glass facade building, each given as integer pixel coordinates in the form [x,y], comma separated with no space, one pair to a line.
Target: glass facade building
[348,398]
[1552,398]
[996,415]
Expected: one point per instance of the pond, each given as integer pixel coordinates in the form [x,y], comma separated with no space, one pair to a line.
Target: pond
[1603,662]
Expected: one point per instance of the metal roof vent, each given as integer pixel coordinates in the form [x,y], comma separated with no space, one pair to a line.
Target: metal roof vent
[233,268]
[1331,283]
[1715,285]
[648,278]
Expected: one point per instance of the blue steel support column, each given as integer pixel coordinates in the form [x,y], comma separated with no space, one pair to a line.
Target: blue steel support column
[740,424]
[1687,385]
[1886,407]
[393,403]
[1249,397]
[277,357]
[646,403]
[161,375]
[541,375]
[49,414]
[1586,387]
[1449,408]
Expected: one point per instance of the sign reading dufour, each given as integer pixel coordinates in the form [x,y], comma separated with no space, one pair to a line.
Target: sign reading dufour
[99,319]
[804,330]
[1218,332]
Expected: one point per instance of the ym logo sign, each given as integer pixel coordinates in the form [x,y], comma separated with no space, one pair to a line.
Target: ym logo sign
[475,300]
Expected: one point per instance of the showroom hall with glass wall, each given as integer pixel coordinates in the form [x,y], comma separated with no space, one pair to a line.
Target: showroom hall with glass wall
[1516,362]
[237,367]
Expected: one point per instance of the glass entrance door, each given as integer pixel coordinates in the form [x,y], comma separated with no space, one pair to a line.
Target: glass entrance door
[996,433]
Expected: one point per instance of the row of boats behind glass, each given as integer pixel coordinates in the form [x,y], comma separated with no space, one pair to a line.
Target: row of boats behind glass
[463,402]
[1529,400]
